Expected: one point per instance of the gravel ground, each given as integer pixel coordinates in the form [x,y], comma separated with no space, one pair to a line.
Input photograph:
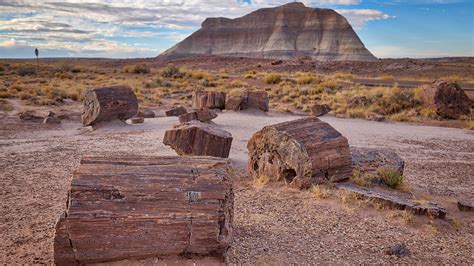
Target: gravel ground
[273,224]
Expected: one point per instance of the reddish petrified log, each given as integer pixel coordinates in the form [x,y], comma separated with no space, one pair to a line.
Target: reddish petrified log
[196,138]
[300,152]
[109,103]
[138,207]
[176,111]
[208,99]
[245,99]
[447,99]
[203,115]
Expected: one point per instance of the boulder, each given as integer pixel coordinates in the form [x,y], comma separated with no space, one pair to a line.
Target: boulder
[300,152]
[208,99]
[447,99]
[203,115]
[137,120]
[196,138]
[246,99]
[466,205]
[176,111]
[320,109]
[370,160]
[146,113]
[399,250]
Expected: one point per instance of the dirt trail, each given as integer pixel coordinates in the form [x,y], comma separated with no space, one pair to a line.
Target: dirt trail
[274,224]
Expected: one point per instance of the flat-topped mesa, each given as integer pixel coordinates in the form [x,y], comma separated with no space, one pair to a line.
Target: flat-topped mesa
[287,31]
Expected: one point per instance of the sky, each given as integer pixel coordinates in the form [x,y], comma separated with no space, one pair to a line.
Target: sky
[145,28]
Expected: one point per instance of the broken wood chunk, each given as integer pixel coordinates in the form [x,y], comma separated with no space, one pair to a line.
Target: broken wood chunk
[208,99]
[370,160]
[397,201]
[203,115]
[138,207]
[146,113]
[176,111]
[466,205]
[196,138]
[446,98]
[137,120]
[320,109]
[240,99]
[300,152]
[109,103]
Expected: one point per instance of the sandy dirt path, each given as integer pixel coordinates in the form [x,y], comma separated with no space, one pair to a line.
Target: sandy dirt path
[273,224]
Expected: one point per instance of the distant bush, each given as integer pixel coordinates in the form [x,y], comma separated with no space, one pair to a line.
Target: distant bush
[25,71]
[171,71]
[344,76]
[305,79]
[200,75]
[141,69]
[272,79]
[155,83]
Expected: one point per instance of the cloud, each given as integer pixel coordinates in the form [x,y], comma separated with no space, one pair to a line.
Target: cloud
[78,24]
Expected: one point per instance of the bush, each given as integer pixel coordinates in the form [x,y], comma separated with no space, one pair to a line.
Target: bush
[141,69]
[171,71]
[26,71]
[272,79]
[155,83]
[390,177]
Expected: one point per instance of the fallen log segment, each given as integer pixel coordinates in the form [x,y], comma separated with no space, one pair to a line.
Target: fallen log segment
[138,207]
[208,99]
[301,152]
[447,99]
[370,160]
[401,202]
[202,115]
[245,99]
[199,139]
[109,103]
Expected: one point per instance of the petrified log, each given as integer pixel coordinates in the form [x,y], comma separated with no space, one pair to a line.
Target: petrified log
[401,202]
[246,99]
[370,160]
[146,113]
[300,152]
[196,138]
[447,99]
[137,120]
[466,205]
[138,207]
[203,115]
[320,109]
[208,99]
[109,103]
[176,111]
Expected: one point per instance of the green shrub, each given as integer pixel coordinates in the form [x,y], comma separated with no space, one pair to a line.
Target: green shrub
[390,177]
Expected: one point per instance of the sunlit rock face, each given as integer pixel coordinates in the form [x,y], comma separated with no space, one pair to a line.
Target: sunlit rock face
[288,31]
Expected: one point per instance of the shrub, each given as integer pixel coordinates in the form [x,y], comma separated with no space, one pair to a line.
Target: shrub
[155,83]
[171,71]
[272,79]
[141,69]
[320,192]
[307,78]
[390,177]
[200,75]
[206,83]
[344,76]
[26,71]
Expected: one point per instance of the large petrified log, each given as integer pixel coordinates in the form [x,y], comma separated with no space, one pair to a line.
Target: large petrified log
[196,138]
[397,201]
[138,207]
[300,152]
[246,99]
[109,103]
[208,99]
[448,99]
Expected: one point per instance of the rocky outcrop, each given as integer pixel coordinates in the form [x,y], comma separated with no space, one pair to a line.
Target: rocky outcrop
[287,31]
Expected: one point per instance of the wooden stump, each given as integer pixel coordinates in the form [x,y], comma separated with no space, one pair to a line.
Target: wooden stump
[138,207]
[300,152]
[447,99]
[196,138]
[245,99]
[109,103]
[208,99]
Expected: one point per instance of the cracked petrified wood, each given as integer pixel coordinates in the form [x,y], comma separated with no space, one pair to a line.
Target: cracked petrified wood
[196,138]
[109,103]
[208,99]
[239,99]
[370,160]
[202,115]
[300,152]
[138,207]
[447,99]
[396,200]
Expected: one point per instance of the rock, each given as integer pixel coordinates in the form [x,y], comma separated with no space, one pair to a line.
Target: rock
[320,109]
[109,103]
[288,31]
[196,138]
[208,99]
[300,152]
[203,115]
[137,120]
[370,160]
[376,118]
[447,99]
[399,250]
[276,63]
[245,99]
[51,114]
[51,120]
[146,113]
[466,205]
[30,116]
[129,207]
[176,111]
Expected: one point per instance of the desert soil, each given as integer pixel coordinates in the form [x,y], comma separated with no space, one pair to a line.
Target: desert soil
[273,224]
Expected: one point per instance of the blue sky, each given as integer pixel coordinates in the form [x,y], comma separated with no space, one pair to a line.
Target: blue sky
[141,28]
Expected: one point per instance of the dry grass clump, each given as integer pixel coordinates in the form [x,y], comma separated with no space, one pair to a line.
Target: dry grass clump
[469,124]
[343,76]
[390,177]
[137,69]
[387,77]
[261,181]
[320,192]
[307,78]
[363,179]
[171,71]
[200,75]
[272,78]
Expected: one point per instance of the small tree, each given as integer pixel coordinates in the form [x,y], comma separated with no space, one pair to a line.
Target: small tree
[37,53]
